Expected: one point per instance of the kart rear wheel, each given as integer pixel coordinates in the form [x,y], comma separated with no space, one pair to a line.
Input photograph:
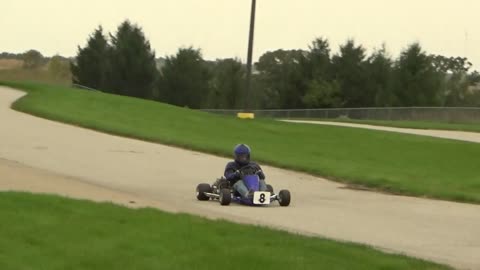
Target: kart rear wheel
[270,189]
[201,190]
[225,196]
[284,198]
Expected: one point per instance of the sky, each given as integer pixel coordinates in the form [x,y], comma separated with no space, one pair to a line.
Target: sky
[220,27]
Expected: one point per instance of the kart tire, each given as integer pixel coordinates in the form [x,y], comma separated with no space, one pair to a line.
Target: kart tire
[201,190]
[284,198]
[225,196]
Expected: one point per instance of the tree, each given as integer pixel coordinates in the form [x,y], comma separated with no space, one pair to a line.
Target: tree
[321,93]
[322,90]
[7,55]
[92,66]
[185,79]
[350,71]
[456,80]
[379,70]
[32,59]
[473,93]
[59,67]
[227,84]
[418,82]
[474,78]
[133,66]
[318,65]
[456,89]
[283,72]
[450,64]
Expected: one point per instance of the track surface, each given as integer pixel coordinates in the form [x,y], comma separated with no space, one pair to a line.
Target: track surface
[39,155]
[445,134]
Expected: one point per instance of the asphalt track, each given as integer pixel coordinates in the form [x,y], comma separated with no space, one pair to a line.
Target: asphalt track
[444,134]
[43,156]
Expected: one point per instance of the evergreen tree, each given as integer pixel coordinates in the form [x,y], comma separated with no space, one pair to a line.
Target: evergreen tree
[133,66]
[185,79]
[92,67]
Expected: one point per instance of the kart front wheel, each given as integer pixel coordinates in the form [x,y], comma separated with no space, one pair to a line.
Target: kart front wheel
[225,196]
[201,190]
[284,198]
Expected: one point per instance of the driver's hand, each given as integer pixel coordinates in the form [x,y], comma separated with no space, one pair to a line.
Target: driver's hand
[238,173]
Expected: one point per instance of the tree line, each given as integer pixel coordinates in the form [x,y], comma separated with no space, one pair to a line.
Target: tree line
[58,67]
[124,63]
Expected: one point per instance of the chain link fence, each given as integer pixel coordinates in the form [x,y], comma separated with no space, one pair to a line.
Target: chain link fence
[431,114]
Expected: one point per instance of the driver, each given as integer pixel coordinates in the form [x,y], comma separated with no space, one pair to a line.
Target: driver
[241,155]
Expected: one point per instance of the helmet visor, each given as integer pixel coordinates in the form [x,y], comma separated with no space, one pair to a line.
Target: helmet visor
[243,158]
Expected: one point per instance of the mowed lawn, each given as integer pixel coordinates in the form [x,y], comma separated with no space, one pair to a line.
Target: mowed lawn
[399,163]
[45,232]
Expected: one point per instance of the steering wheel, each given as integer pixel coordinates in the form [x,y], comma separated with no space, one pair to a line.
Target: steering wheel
[248,170]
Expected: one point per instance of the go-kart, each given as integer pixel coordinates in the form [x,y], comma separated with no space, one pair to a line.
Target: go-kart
[222,190]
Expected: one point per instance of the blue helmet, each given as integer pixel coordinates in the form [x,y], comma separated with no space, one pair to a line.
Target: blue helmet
[242,154]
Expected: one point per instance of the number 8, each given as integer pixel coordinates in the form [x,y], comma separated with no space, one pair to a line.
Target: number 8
[262,198]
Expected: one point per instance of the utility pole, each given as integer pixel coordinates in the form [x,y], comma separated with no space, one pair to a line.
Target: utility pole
[250,56]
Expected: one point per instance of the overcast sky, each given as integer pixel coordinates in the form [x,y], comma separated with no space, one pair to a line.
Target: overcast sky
[220,27]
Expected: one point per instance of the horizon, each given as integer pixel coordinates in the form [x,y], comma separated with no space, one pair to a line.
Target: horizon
[220,29]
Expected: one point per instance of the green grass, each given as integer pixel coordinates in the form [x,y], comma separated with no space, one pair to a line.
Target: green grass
[50,232]
[411,124]
[393,162]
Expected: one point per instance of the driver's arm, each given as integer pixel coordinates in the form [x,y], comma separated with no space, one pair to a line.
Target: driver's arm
[231,172]
[260,172]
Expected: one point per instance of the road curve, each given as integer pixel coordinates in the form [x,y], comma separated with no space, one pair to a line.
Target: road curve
[44,156]
[444,134]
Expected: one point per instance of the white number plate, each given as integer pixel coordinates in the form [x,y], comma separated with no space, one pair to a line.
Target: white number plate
[262,198]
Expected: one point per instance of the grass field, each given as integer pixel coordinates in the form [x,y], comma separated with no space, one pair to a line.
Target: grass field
[10,64]
[41,75]
[399,163]
[410,124]
[49,232]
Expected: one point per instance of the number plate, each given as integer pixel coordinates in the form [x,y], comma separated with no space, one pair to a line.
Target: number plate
[262,198]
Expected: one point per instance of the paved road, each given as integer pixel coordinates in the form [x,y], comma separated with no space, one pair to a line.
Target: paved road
[46,156]
[445,134]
